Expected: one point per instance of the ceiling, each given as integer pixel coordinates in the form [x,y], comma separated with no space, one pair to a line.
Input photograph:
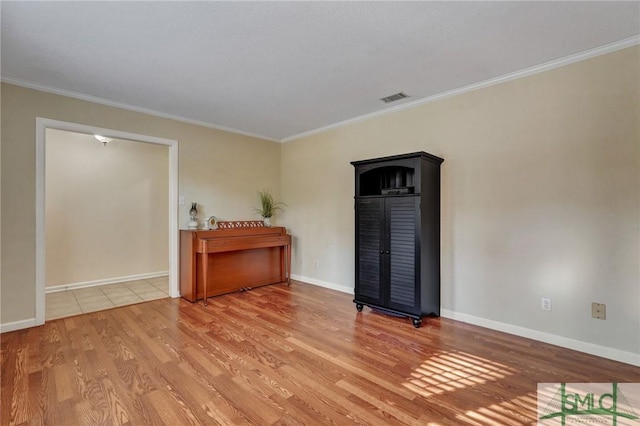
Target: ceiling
[279,70]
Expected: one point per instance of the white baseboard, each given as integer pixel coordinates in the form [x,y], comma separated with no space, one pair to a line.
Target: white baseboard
[17,325]
[114,280]
[319,283]
[553,339]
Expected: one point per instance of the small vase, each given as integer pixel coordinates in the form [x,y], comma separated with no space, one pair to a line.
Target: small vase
[267,222]
[193,214]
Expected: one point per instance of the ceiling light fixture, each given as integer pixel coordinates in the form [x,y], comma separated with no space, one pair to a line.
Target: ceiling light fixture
[105,140]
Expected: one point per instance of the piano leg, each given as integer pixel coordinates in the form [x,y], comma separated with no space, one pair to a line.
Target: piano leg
[204,261]
[289,264]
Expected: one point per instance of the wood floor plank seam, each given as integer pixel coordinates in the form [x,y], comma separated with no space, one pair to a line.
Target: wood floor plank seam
[278,355]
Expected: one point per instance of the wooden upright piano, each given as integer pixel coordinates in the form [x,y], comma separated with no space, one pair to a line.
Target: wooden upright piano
[237,256]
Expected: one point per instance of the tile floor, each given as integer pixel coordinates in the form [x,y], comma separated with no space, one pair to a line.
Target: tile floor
[74,302]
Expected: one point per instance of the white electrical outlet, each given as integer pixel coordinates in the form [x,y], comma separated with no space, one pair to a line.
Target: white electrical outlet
[181,200]
[317,264]
[546,304]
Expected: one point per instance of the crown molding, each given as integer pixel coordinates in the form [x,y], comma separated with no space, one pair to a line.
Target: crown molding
[107,102]
[547,66]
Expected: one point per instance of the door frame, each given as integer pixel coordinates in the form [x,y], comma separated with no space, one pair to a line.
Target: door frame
[42,124]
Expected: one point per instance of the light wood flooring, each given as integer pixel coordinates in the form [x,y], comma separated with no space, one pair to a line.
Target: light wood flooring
[278,355]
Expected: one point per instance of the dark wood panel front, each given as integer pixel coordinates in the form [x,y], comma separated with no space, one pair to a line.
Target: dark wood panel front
[237,259]
[232,271]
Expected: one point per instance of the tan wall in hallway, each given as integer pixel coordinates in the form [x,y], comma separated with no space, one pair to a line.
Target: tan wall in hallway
[107,211]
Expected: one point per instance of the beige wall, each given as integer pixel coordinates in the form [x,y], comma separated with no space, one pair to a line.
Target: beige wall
[219,170]
[540,195]
[106,209]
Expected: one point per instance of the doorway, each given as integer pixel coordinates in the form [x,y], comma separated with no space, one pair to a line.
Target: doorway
[45,127]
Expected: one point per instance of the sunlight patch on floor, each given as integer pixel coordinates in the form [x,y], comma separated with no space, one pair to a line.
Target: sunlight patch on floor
[505,413]
[449,371]
[454,371]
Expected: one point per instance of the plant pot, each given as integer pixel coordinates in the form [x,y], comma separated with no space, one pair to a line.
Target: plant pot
[267,222]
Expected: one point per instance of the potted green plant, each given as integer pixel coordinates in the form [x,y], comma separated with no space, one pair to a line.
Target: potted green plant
[268,207]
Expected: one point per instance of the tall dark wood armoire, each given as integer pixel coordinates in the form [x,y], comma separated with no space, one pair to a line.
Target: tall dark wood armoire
[397,203]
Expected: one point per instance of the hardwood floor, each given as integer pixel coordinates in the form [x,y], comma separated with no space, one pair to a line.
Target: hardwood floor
[278,355]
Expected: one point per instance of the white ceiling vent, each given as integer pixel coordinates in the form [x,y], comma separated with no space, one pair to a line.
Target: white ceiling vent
[394,97]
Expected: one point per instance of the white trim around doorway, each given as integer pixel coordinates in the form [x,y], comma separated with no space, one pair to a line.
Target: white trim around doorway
[42,124]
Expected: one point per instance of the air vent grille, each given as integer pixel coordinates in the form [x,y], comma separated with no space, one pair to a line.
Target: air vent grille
[394,97]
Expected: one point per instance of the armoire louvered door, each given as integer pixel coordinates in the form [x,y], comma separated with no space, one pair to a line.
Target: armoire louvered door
[397,205]
[370,231]
[386,243]
[401,216]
